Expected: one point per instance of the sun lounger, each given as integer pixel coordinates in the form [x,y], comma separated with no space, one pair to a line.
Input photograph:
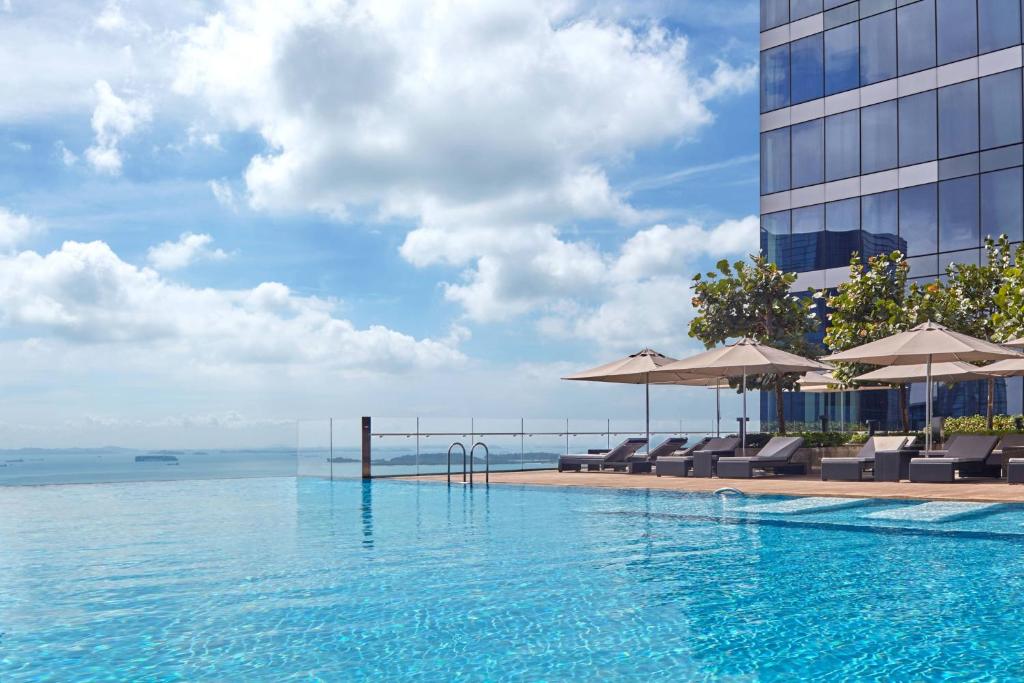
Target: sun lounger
[776,456]
[642,462]
[1010,446]
[678,464]
[703,459]
[968,454]
[1015,471]
[598,461]
[854,469]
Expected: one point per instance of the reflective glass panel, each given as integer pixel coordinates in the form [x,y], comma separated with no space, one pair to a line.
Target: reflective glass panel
[957,23]
[842,232]
[1000,97]
[807,240]
[808,153]
[915,26]
[878,139]
[919,219]
[958,119]
[798,9]
[958,214]
[774,13]
[878,48]
[841,61]
[998,24]
[775,236]
[808,78]
[1002,204]
[775,78]
[880,224]
[775,161]
[842,145]
[917,128]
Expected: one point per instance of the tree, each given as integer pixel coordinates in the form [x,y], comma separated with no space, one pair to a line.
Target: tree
[1008,317]
[754,300]
[871,305]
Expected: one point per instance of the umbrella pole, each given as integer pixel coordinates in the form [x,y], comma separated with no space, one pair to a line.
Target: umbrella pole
[718,408]
[928,406]
[647,411]
[743,425]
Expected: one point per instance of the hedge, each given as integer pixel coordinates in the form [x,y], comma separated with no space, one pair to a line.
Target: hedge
[977,424]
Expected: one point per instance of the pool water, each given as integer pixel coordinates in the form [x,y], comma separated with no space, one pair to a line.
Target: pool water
[300,579]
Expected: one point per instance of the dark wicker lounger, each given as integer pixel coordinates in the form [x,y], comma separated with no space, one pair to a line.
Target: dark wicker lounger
[776,456]
[619,454]
[643,462]
[969,455]
[681,465]
[853,469]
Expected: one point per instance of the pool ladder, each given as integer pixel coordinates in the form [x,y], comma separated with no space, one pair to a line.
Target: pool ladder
[469,456]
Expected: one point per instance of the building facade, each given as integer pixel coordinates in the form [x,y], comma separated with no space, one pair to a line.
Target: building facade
[890,124]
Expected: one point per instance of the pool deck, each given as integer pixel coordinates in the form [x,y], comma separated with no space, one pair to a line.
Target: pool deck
[973,490]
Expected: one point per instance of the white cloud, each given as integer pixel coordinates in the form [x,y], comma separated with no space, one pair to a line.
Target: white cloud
[224,194]
[15,229]
[509,112]
[7,6]
[112,18]
[67,157]
[113,119]
[84,295]
[188,249]
[21,146]
[639,292]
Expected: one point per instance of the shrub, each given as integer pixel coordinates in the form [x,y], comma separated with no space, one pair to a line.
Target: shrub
[977,424]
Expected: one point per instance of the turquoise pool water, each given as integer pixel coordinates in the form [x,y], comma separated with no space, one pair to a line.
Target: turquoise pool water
[285,579]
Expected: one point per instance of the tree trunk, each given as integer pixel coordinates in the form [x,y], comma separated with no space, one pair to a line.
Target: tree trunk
[780,410]
[991,402]
[904,408]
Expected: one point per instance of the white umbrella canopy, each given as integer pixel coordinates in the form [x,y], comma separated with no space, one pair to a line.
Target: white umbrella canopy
[1016,343]
[927,343]
[1011,367]
[739,359]
[635,368]
[957,371]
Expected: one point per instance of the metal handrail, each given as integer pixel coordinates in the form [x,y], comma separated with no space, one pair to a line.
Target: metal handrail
[450,449]
[563,433]
[487,462]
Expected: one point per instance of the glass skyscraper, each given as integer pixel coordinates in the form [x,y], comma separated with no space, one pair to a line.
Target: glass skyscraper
[890,124]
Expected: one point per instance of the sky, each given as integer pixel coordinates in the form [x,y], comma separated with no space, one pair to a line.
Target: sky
[226,216]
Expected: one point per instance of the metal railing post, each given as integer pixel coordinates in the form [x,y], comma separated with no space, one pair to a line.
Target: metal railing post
[367,448]
[330,429]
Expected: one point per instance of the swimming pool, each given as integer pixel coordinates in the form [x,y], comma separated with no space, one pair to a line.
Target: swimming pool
[301,579]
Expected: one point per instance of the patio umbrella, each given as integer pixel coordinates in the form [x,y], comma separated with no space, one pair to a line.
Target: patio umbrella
[716,383]
[1017,343]
[633,369]
[825,383]
[739,359]
[927,343]
[956,371]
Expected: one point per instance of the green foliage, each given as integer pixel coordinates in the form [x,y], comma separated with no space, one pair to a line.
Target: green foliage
[812,439]
[978,424]
[1008,315]
[969,299]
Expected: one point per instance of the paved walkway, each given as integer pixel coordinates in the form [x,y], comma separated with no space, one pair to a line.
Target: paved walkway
[973,490]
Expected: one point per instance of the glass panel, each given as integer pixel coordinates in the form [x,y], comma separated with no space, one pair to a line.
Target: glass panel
[775,237]
[842,236]
[803,8]
[808,153]
[923,266]
[809,219]
[918,219]
[958,119]
[808,79]
[775,78]
[775,161]
[841,69]
[1002,204]
[869,7]
[807,239]
[957,22]
[1000,97]
[829,4]
[774,13]
[878,48]
[878,138]
[971,257]
[917,128]
[998,24]
[916,28]
[958,214]
[841,15]
[842,145]
[880,224]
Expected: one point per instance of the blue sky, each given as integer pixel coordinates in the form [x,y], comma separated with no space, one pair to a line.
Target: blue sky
[239,213]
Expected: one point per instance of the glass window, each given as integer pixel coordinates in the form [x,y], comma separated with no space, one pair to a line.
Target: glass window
[843,216]
[809,219]
[829,4]
[915,26]
[957,24]
[808,79]
[917,128]
[878,48]
[841,69]
[998,24]
[808,153]
[926,267]
[1002,204]
[958,214]
[775,78]
[775,237]
[918,219]
[807,238]
[775,161]
[878,137]
[869,7]
[798,9]
[774,13]
[958,119]
[999,95]
[842,146]
[842,233]
[880,224]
